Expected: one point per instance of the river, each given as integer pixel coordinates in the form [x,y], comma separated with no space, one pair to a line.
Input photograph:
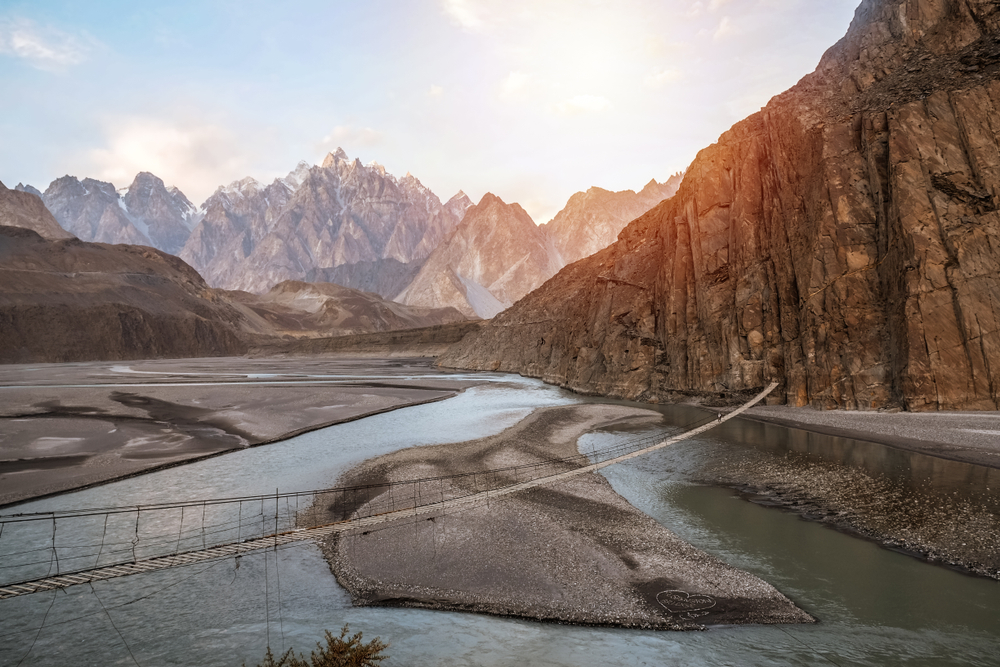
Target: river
[874,606]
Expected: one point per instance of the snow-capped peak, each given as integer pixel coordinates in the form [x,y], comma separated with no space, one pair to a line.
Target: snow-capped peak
[248,185]
[333,158]
[297,176]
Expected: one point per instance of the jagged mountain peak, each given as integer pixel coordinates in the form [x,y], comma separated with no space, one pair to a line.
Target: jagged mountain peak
[332,159]
[490,199]
[297,176]
[458,205]
[495,256]
[243,187]
[146,212]
[22,187]
[19,208]
[592,220]
[339,213]
[147,179]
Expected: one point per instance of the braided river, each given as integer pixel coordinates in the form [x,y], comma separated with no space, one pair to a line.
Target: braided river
[875,606]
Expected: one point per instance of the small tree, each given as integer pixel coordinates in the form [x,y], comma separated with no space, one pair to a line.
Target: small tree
[342,651]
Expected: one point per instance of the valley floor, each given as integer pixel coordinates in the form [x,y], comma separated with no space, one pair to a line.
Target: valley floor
[68,426]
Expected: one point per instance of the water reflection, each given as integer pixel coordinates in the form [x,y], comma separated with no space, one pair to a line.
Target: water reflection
[914,469]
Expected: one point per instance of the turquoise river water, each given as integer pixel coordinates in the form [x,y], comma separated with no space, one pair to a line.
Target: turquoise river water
[875,606]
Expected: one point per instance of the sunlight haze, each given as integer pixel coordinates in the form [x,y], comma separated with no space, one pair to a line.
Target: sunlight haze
[529,100]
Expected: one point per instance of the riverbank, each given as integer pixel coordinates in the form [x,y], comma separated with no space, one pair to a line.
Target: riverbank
[971,437]
[573,553]
[915,483]
[70,426]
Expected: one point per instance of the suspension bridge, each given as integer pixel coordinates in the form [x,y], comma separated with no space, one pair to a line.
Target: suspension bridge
[138,539]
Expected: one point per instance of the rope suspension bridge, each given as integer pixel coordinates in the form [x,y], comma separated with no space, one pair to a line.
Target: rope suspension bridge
[137,539]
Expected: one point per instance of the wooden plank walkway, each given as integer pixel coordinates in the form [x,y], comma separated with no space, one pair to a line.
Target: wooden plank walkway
[275,540]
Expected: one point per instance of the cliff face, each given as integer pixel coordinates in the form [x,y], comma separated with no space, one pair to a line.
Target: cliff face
[592,220]
[493,258]
[845,241]
[164,213]
[92,211]
[236,219]
[22,208]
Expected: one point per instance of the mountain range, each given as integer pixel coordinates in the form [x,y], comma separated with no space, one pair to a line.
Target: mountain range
[63,299]
[843,241]
[354,225]
[145,213]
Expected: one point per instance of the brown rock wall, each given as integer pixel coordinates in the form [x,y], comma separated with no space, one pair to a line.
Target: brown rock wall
[845,241]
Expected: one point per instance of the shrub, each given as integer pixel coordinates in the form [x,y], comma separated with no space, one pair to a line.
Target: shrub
[342,651]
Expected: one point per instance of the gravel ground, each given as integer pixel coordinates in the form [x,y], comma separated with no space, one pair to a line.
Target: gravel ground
[575,552]
[954,522]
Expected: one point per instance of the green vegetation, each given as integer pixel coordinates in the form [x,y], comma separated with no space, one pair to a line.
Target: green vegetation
[342,651]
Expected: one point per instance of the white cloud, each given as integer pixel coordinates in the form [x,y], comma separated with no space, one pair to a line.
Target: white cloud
[196,157]
[465,13]
[435,91]
[725,28]
[514,85]
[44,47]
[350,135]
[662,77]
[698,8]
[582,104]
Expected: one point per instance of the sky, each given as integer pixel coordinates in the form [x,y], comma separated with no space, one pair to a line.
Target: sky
[531,100]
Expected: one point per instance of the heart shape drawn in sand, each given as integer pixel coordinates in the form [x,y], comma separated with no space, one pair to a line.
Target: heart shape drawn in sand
[680,602]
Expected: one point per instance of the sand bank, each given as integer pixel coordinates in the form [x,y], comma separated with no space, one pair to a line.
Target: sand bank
[575,552]
[68,426]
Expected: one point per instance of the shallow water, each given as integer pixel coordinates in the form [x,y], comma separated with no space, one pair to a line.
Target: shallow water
[875,606]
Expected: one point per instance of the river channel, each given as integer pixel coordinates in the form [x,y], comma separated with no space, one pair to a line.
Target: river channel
[874,606]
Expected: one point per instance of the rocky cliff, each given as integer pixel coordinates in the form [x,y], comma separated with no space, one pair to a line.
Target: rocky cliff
[235,220]
[91,210]
[493,258]
[592,220]
[844,241]
[147,212]
[334,214]
[22,208]
[164,214]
